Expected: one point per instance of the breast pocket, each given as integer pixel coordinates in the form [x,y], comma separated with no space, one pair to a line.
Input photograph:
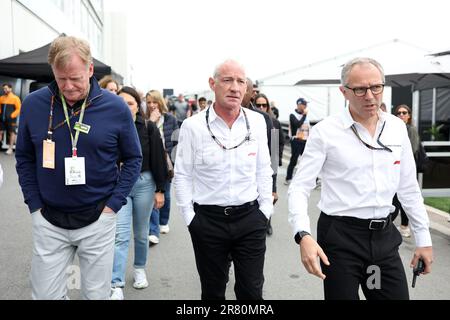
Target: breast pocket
[210,155]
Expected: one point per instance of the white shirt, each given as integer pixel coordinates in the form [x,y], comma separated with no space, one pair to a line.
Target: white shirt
[357,181]
[209,175]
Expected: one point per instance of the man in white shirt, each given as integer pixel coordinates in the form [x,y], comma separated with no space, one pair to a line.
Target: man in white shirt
[223,183]
[364,157]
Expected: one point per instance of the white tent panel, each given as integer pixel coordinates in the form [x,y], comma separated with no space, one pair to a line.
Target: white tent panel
[390,54]
[324,100]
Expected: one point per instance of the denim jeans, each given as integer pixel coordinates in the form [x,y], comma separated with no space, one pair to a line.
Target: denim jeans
[137,210]
[160,216]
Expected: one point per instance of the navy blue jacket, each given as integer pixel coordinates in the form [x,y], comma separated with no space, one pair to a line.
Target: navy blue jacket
[112,131]
[170,139]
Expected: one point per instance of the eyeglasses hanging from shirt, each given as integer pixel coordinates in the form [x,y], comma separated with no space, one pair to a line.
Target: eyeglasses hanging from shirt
[246,138]
[383,147]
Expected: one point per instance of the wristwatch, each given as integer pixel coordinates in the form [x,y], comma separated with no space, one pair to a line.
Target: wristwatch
[299,236]
[159,191]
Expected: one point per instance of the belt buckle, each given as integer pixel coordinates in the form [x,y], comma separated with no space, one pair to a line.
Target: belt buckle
[225,211]
[377,221]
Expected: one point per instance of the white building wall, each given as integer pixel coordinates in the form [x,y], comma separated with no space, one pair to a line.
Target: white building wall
[30,24]
[29,31]
[116,43]
[7,47]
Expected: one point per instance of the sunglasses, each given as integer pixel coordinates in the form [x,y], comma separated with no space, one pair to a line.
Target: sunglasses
[262,105]
[404,113]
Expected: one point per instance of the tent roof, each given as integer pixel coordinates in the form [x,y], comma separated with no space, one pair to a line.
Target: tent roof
[390,54]
[33,65]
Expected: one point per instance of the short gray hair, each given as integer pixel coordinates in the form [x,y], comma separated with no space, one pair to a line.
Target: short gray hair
[357,61]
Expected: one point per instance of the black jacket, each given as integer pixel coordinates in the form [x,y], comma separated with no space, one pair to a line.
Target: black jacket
[154,155]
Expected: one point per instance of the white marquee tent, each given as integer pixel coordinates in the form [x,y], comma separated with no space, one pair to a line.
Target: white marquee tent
[404,64]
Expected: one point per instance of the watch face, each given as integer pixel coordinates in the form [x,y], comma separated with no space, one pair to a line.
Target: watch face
[299,236]
[304,233]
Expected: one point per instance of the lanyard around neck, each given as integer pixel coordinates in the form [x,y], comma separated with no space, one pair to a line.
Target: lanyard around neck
[247,136]
[80,121]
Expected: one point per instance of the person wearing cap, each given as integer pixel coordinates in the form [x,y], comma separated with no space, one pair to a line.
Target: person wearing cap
[365,157]
[223,183]
[299,129]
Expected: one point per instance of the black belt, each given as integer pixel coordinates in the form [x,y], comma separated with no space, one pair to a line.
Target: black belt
[228,210]
[371,224]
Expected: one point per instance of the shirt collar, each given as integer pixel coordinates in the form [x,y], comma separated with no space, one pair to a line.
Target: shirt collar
[348,121]
[213,115]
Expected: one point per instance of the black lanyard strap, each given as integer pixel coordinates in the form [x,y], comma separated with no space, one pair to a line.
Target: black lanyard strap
[246,138]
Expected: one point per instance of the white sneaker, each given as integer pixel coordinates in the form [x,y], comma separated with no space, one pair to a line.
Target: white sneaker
[164,229]
[153,239]
[9,151]
[405,231]
[287,182]
[140,279]
[117,294]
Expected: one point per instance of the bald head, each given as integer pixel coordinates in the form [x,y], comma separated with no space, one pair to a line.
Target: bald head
[225,65]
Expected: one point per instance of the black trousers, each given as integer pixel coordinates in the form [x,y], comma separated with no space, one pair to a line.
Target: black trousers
[297,148]
[241,233]
[362,257]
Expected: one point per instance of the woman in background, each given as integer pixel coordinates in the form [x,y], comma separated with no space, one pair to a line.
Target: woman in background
[157,113]
[148,191]
[108,83]
[262,103]
[404,112]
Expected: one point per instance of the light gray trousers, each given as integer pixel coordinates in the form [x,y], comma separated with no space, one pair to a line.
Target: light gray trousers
[54,250]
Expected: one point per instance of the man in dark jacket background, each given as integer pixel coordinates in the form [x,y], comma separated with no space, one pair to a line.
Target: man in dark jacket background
[299,130]
[70,136]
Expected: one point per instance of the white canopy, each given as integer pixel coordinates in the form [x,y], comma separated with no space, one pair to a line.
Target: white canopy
[396,57]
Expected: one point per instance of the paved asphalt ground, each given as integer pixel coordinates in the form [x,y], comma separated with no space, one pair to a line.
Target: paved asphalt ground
[171,267]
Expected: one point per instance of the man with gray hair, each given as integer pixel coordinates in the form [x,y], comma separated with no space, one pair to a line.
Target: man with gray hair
[71,134]
[364,157]
[223,187]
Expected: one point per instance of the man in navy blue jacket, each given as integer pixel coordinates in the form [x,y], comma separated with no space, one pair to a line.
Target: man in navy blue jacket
[70,136]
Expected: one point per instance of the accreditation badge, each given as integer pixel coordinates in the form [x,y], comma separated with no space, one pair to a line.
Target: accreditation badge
[48,154]
[82,127]
[75,171]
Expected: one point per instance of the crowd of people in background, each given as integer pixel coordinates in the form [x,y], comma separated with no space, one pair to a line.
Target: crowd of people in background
[119,151]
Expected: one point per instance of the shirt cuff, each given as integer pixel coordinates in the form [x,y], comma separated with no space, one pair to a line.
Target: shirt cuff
[188,214]
[423,239]
[114,205]
[35,204]
[267,209]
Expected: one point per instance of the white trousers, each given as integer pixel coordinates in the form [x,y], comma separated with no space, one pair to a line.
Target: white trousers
[54,250]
